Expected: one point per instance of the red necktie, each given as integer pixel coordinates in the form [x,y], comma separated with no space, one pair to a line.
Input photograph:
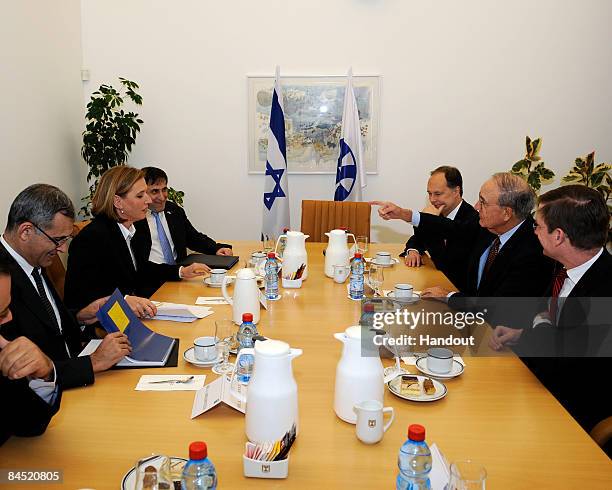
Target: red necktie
[560,277]
[493,251]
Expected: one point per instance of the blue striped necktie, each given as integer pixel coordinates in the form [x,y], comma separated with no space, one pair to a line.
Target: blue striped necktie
[163,241]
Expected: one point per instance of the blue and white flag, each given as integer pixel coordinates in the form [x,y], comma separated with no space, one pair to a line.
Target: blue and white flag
[350,174]
[276,189]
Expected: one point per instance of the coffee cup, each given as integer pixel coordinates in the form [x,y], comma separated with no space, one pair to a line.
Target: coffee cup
[205,348]
[403,291]
[217,275]
[341,272]
[439,360]
[383,258]
[369,427]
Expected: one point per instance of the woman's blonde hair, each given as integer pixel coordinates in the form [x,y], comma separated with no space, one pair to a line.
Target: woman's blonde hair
[116,181]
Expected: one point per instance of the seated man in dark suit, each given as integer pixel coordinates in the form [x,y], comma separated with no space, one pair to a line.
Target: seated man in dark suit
[446,229]
[166,233]
[507,259]
[29,388]
[40,222]
[565,344]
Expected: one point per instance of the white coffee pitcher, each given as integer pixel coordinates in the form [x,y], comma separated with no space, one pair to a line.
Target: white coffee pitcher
[246,295]
[294,254]
[337,251]
[272,403]
[358,377]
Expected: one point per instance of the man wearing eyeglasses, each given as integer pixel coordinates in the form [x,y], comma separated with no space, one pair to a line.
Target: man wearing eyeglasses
[507,259]
[39,225]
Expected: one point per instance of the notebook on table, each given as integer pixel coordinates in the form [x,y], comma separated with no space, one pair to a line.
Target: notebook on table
[212,261]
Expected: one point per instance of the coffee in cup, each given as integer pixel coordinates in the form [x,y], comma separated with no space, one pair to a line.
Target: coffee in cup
[439,360]
[205,348]
[383,258]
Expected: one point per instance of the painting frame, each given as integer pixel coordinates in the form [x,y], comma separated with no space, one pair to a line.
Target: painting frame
[312,135]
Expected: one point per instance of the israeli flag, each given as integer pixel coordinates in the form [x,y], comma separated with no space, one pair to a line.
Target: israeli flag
[276,189]
[350,174]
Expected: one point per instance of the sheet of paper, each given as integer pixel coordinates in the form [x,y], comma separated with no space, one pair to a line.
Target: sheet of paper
[144,384]
[91,347]
[211,300]
[216,392]
[182,310]
[180,319]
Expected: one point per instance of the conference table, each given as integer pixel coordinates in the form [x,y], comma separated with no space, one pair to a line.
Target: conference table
[496,413]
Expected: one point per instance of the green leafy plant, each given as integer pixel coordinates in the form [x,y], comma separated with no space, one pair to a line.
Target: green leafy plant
[596,177]
[532,168]
[176,196]
[110,132]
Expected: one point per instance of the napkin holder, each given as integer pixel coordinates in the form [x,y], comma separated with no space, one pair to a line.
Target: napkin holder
[292,283]
[254,468]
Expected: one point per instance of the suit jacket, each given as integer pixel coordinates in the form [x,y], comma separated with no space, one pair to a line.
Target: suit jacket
[183,234]
[99,261]
[24,413]
[449,242]
[31,320]
[572,372]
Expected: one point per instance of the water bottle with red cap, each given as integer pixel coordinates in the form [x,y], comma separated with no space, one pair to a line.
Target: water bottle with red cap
[414,461]
[199,473]
[245,335]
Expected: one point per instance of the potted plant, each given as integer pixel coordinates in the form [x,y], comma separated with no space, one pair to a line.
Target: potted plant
[531,168]
[596,177]
[110,132]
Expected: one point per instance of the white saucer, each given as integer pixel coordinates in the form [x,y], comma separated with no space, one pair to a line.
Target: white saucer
[129,479]
[393,262]
[415,298]
[189,356]
[211,285]
[441,390]
[456,370]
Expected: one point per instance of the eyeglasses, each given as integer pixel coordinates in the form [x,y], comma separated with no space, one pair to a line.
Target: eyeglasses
[484,204]
[58,242]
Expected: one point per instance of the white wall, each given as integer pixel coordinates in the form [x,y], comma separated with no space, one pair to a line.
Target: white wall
[463,83]
[41,98]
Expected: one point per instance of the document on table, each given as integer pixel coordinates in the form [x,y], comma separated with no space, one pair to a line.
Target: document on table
[177,312]
[211,300]
[127,361]
[162,382]
[216,392]
[439,475]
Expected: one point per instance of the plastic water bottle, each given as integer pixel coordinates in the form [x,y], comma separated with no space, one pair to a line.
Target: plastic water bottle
[356,282]
[271,270]
[199,472]
[414,461]
[245,339]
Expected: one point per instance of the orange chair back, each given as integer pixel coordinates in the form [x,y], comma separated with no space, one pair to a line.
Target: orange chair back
[319,217]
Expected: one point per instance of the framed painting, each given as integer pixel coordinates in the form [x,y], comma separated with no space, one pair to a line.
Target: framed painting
[313,121]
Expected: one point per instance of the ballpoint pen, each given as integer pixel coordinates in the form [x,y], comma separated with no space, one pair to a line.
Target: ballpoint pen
[184,380]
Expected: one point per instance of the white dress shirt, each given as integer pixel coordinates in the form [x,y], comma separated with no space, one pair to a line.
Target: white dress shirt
[156,255]
[128,234]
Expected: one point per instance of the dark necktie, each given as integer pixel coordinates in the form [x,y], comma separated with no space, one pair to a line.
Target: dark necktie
[493,251]
[553,307]
[43,297]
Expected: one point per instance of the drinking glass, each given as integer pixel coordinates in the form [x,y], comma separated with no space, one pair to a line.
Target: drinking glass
[467,475]
[395,331]
[153,473]
[268,243]
[362,244]
[225,332]
[376,277]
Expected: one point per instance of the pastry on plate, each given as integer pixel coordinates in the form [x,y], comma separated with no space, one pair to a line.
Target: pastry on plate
[429,387]
[409,385]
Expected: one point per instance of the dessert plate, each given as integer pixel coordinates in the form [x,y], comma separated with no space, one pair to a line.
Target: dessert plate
[176,468]
[456,370]
[395,387]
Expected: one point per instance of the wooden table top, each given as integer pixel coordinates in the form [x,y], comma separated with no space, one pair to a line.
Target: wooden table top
[496,412]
